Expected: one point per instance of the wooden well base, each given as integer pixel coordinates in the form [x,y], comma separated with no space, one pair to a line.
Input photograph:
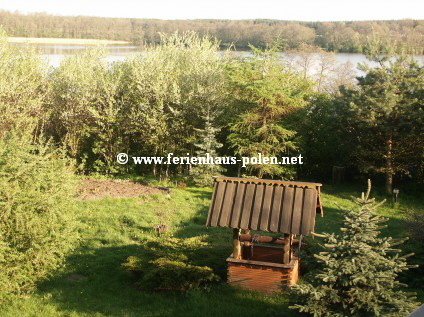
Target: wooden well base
[263,270]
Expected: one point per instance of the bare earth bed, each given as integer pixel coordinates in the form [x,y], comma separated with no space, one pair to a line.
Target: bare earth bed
[94,189]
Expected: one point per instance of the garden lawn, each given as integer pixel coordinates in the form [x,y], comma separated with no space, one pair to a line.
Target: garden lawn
[93,283]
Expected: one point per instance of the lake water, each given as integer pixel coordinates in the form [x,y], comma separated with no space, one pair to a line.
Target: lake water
[54,53]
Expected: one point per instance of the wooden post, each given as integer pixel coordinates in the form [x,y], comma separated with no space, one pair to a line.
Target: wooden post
[247,251]
[286,249]
[247,243]
[236,244]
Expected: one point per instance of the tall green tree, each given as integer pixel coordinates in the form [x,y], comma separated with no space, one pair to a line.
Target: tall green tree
[386,114]
[360,270]
[267,93]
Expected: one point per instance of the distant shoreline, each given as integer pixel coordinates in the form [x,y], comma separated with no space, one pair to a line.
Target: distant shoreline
[342,36]
[46,40]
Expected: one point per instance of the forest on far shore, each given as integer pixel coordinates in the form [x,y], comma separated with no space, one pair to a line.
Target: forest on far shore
[350,36]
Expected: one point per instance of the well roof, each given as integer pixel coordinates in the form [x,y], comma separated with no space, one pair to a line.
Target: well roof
[265,205]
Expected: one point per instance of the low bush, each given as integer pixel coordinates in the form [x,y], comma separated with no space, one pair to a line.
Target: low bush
[168,264]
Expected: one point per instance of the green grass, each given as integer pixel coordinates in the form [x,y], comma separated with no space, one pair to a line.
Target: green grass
[93,283]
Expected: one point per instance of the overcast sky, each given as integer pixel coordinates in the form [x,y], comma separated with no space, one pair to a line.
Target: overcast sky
[305,10]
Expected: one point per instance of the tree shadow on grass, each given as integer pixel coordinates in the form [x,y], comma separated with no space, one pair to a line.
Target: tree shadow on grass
[95,284]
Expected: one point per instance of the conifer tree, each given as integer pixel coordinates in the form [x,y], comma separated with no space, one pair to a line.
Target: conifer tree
[207,144]
[385,113]
[360,270]
[269,93]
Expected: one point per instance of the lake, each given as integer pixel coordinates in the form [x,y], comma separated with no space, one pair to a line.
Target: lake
[54,53]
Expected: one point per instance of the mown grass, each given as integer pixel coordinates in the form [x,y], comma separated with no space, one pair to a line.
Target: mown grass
[93,283]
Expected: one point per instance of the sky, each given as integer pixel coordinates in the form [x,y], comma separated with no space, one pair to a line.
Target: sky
[302,10]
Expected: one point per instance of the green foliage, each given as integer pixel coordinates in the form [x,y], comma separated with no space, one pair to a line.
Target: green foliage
[324,137]
[269,93]
[107,130]
[376,126]
[202,174]
[149,104]
[23,86]
[37,224]
[385,113]
[360,270]
[74,92]
[166,265]
[86,111]
[169,87]
[154,103]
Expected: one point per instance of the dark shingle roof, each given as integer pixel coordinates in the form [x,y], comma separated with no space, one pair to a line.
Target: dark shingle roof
[265,205]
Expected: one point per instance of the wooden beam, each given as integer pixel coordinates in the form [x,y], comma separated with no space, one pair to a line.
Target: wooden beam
[267,182]
[247,239]
[286,249]
[236,244]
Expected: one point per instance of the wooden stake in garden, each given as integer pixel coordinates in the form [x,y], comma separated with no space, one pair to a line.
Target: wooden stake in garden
[236,244]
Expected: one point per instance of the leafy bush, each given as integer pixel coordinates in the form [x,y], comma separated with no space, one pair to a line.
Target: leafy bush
[23,86]
[167,264]
[37,226]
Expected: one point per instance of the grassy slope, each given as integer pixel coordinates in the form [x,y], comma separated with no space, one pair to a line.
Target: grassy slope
[93,284]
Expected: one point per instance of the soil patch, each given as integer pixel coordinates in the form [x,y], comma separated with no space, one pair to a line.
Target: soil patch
[94,189]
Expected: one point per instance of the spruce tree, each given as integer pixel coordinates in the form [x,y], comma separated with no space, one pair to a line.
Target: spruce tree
[360,270]
[207,143]
[269,94]
[385,114]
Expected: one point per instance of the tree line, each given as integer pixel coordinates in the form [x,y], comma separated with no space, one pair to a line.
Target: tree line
[182,97]
[349,36]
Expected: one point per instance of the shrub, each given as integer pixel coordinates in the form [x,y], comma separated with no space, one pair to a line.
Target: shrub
[37,226]
[168,264]
[23,86]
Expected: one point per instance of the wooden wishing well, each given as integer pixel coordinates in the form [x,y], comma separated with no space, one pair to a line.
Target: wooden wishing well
[264,263]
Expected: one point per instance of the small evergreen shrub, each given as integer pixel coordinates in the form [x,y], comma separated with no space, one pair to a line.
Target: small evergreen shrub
[37,227]
[360,271]
[202,174]
[168,264]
